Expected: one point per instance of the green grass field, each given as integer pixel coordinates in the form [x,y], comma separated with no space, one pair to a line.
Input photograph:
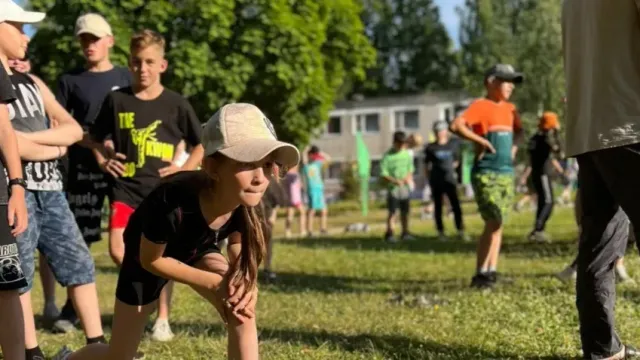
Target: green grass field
[331,300]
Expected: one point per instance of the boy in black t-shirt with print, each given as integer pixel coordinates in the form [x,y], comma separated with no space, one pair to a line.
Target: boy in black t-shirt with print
[145,123]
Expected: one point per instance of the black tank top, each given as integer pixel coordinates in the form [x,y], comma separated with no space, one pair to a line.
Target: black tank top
[27,114]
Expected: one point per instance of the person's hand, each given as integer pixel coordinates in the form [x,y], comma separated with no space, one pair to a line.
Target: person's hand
[242,301]
[113,165]
[223,303]
[487,146]
[523,181]
[18,217]
[168,170]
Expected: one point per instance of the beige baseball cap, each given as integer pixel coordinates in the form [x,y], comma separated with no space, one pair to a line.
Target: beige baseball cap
[10,11]
[243,133]
[93,24]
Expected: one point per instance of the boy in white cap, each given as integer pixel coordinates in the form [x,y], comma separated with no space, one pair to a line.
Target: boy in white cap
[81,92]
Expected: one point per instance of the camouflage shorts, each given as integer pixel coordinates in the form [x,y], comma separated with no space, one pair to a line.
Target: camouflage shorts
[494,194]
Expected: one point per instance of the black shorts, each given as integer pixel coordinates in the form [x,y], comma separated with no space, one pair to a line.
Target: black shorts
[137,287]
[393,204]
[11,274]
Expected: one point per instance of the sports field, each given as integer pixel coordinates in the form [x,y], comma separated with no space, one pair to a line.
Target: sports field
[332,299]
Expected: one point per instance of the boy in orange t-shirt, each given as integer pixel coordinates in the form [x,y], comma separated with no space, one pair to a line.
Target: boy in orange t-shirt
[493,124]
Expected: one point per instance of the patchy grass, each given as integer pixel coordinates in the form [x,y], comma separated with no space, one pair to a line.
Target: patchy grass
[331,300]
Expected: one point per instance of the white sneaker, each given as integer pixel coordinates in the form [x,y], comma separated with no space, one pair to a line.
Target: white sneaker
[287,234]
[162,331]
[463,236]
[568,274]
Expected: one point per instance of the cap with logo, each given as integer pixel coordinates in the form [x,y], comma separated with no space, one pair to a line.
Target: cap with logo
[93,24]
[243,133]
[505,72]
[10,11]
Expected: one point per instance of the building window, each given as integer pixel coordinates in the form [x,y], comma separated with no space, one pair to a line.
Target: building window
[334,126]
[407,120]
[375,168]
[335,171]
[368,123]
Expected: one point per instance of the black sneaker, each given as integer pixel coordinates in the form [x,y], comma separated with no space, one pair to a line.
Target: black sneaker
[388,237]
[493,276]
[482,282]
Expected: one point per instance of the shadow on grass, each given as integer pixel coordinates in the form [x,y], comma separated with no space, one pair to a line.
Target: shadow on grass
[390,346]
[46,325]
[512,245]
[300,282]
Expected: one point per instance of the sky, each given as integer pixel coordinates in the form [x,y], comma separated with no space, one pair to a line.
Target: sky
[449,17]
[447,14]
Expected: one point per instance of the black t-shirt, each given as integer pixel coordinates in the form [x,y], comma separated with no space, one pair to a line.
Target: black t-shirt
[28,114]
[82,93]
[171,215]
[147,132]
[542,146]
[7,96]
[441,157]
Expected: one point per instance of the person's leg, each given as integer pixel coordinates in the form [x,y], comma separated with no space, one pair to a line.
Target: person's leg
[289,220]
[311,215]
[50,311]
[324,219]
[162,329]
[120,214]
[392,207]
[489,245]
[243,337]
[126,333]
[405,210]
[452,194]
[544,188]
[62,244]
[599,247]
[437,192]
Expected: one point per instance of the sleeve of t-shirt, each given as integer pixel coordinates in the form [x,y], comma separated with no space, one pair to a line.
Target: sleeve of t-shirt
[160,217]
[104,125]
[473,115]
[7,95]
[384,169]
[189,124]
[62,92]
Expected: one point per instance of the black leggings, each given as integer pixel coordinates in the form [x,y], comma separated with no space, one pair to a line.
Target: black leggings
[544,190]
[438,190]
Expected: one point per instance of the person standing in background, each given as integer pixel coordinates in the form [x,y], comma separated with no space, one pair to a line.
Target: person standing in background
[312,170]
[293,185]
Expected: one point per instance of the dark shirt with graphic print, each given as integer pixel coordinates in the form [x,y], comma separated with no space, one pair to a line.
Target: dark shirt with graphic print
[7,96]
[82,92]
[543,147]
[441,158]
[147,133]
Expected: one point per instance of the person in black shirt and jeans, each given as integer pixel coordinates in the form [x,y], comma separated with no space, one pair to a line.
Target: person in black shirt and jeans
[441,163]
[544,152]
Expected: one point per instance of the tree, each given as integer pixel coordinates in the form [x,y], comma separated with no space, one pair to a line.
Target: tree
[524,33]
[414,50]
[290,58]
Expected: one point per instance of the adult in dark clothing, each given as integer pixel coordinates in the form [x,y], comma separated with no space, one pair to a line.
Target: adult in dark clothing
[441,163]
[544,153]
[602,58]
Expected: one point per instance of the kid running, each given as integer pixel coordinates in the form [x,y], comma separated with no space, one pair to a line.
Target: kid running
[493,122]
[145,122]
[315,188]
[174,235]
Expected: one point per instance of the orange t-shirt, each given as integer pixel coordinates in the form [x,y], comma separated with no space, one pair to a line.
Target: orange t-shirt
[496,121]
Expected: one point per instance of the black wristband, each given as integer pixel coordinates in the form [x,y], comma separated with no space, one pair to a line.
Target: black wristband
[18,181]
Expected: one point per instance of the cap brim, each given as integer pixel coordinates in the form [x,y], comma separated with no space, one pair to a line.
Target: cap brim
[252,150]
[27,17]
[98,34]
[516,78]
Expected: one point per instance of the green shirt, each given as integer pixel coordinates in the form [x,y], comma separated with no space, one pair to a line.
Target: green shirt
[396,164]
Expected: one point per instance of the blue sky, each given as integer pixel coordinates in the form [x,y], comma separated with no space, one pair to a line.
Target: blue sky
[447,14]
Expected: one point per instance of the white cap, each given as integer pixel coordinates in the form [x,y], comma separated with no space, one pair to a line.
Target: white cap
[243,133]
[10,11]
[93,24]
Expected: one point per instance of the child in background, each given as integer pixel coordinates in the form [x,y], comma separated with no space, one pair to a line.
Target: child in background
[492,123]
[274,198]
[315,187]
[396,169]
[293,185]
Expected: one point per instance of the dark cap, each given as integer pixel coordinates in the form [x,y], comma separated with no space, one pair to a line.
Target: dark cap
[399,137]
[504,72]
[314,149]
[440,125]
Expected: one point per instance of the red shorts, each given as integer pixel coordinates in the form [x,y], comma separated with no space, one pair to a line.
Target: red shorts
[120,214]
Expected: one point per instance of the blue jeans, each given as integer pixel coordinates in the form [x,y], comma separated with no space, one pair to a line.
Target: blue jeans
[54,232]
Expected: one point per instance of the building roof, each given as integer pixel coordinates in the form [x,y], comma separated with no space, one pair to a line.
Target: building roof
[426,98]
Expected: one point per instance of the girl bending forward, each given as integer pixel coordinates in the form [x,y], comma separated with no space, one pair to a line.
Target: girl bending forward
[174,235]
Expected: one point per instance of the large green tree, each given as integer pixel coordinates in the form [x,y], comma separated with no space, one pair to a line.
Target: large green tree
[291,58]
[524,33]
[414,50]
